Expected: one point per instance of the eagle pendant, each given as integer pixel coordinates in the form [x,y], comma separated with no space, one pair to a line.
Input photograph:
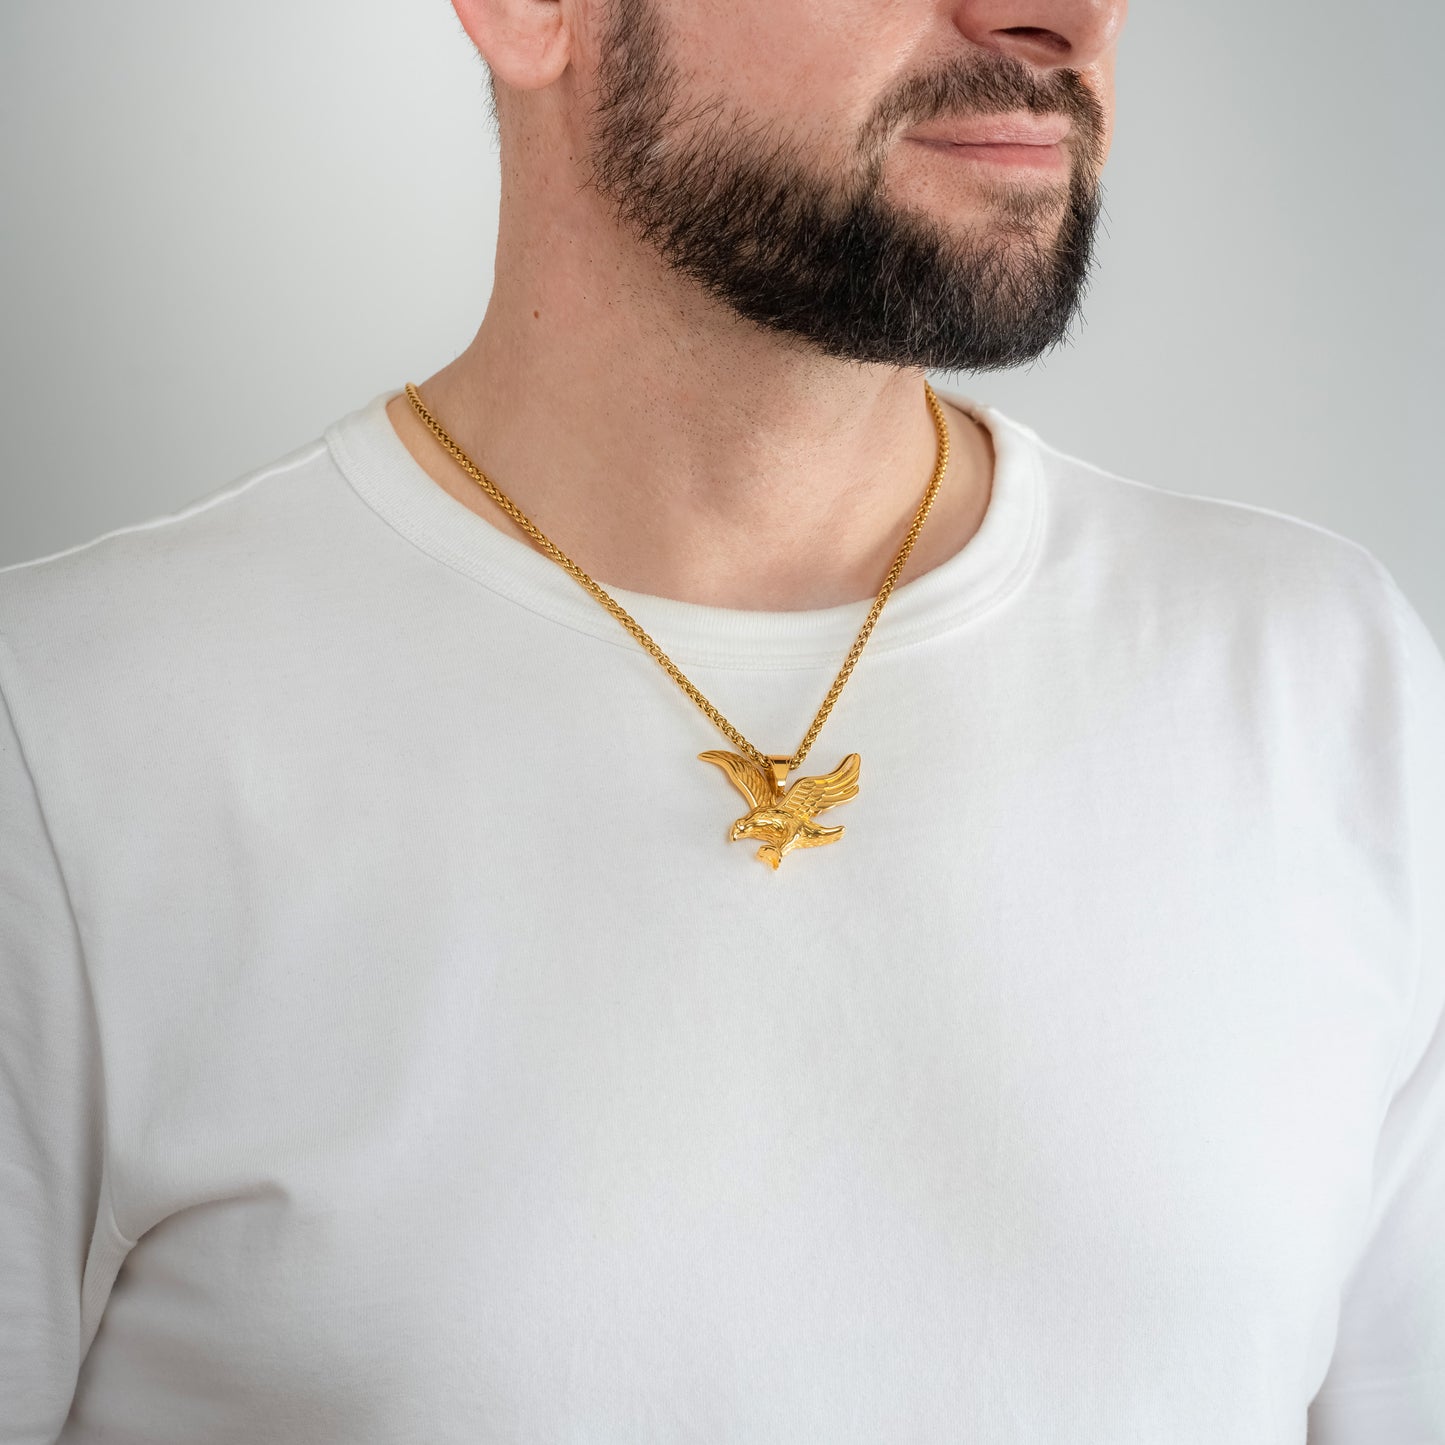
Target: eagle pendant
[783,816]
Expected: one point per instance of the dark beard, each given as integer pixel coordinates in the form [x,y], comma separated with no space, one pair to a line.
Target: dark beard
[832,262]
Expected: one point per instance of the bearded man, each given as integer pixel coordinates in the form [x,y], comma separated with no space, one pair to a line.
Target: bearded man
[673,883]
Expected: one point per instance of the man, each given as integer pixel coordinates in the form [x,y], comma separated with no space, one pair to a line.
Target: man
[438,1006]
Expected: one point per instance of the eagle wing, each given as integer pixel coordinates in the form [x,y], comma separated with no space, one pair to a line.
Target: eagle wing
[746,776]
[812,795]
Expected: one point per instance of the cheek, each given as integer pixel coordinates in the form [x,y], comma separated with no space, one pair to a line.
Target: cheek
[814,66]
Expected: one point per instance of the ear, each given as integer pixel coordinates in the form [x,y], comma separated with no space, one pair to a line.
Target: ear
[527,43]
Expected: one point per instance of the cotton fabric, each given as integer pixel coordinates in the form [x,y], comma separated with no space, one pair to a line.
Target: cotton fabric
[393,1047]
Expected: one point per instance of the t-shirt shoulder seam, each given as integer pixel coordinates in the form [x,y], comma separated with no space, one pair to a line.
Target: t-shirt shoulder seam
[226,493]
[1236,503]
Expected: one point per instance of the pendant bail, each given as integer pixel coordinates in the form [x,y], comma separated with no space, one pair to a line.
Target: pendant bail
[780,767]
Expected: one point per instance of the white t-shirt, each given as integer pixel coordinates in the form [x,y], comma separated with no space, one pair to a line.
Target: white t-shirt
[395,1048]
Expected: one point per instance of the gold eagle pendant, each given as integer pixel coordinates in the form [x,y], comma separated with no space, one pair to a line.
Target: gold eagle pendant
[783,816]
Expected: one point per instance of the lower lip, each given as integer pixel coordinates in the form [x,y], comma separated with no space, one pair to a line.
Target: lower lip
[1035,157]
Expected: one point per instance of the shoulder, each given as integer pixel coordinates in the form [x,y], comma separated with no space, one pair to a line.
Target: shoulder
[1228,562]
[1290,626]
[137,569]
[166,617]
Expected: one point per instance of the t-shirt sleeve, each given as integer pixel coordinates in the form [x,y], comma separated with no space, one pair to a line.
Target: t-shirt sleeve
[1386,1381]
[50,1115]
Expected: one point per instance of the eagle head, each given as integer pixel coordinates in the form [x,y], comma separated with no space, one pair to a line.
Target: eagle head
[761,823]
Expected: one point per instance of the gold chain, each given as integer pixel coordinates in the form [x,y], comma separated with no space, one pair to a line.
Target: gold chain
[616,609]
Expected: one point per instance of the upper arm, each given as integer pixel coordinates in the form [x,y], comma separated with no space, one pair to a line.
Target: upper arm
[50,1110]
[1386,1380]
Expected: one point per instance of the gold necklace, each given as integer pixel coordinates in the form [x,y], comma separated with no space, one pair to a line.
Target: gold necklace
[781,814]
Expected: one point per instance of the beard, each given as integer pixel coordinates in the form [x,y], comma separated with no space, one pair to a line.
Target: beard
[774,234]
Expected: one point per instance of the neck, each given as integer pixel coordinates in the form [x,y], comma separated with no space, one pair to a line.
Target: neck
[669,448]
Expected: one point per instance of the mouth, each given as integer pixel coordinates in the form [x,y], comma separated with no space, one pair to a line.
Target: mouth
[1015,140]
[1012,155]
[1016,128]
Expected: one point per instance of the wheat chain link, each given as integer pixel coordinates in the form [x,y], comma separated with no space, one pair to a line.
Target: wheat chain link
[625,618]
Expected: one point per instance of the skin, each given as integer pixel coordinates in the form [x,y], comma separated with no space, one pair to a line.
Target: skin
[665,442]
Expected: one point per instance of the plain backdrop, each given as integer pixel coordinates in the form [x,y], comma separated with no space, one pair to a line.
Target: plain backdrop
[223,226]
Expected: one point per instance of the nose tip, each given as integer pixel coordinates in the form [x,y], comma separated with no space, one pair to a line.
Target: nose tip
[1049,34]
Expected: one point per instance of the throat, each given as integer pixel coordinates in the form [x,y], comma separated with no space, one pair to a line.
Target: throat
[735,567]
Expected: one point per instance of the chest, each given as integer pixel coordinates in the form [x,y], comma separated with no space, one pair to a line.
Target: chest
[1044,1097]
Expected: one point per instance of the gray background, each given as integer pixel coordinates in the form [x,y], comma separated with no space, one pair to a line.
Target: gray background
[225,225]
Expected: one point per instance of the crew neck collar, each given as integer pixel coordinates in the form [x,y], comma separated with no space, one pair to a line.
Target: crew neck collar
[975,579]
